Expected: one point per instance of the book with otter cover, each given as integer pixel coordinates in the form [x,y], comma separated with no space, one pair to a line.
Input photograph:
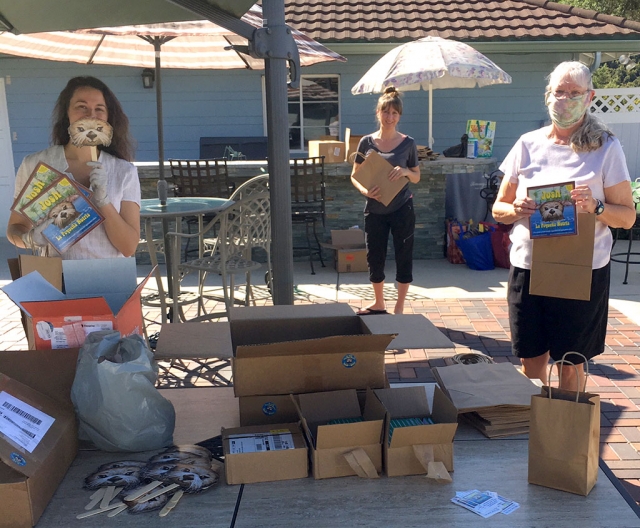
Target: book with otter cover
[556,211]
[62,213]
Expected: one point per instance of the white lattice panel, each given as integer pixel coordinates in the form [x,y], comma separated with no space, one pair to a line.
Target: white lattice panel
[617,105]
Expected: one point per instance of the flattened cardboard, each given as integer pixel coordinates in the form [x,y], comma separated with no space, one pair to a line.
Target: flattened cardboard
[413,331]
[561,266]
[333,151]
[267,466]
[411,402]
[374,171]
[329,443]
[194,340]
[44,304]
[25,490]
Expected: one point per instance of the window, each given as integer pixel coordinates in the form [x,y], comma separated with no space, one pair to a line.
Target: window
[314,110]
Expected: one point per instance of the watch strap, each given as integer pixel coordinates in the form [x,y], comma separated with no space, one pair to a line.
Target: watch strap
[599,207]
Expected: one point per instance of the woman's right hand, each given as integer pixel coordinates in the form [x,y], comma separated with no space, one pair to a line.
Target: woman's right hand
[373,193]
[524,206]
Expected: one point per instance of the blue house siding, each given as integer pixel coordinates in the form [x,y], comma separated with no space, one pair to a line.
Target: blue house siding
[229,103]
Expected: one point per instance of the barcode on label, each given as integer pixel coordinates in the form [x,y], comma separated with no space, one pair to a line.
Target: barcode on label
[277,443]
[258,447]
[22,413]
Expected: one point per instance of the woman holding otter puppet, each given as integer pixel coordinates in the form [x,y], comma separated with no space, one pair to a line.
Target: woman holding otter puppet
[574,148]
[112,179]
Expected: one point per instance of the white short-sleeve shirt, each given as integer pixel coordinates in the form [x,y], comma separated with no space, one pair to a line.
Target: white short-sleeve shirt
[123,186]
[536,160]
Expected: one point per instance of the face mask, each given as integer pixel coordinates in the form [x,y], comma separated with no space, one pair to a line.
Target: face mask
[567,112]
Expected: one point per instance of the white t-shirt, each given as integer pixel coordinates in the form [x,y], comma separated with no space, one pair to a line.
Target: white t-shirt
[123,186]
[536,160]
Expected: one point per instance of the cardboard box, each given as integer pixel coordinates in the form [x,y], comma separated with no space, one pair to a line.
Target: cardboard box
[400,456]
[258,453]
[99,294]
[272,409]
[351,142]
[30,475]
[331,444]
[561,266]
[374,171]
[333,151]
[350,254]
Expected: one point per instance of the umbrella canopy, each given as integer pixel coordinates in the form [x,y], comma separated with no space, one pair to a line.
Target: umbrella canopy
[187,45]
[431,63]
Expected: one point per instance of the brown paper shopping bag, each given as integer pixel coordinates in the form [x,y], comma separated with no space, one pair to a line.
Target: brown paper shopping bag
[564,439]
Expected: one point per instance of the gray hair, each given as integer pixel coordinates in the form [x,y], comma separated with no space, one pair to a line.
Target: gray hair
[592,132]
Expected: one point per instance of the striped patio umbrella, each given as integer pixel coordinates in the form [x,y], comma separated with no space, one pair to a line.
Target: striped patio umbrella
[187,45]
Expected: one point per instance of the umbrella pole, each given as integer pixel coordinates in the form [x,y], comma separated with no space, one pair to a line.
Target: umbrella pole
[430,115]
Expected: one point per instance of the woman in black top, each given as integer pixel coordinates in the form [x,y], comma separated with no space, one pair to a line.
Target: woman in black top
[398,217]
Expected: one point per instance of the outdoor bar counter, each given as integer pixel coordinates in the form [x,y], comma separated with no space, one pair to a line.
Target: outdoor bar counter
[344,205]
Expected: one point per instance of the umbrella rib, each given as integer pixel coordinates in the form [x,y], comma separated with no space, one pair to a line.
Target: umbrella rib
[95,50]
[237,53]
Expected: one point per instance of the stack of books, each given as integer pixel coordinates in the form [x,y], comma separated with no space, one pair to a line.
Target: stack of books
[57,206]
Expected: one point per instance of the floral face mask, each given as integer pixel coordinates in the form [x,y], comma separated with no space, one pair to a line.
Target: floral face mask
[566,112]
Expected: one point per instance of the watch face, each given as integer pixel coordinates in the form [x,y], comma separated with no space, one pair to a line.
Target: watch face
[599,207]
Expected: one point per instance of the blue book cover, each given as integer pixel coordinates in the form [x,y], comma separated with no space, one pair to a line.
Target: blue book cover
[63,213]
[556,212]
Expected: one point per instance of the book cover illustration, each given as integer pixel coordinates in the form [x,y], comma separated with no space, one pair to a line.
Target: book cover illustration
[556,212]
[63,213]
[41,177]
[484,132]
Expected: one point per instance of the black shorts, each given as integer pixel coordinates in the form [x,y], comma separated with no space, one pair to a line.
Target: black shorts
[540,324]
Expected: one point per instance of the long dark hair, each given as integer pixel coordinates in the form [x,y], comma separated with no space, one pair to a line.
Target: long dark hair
[122,144]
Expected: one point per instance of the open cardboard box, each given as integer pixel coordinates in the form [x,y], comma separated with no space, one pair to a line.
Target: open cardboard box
[333,151]
[351,142]
[33,465]
[264,453]
[332,445]
[350,253]
[433,442]
[99,294]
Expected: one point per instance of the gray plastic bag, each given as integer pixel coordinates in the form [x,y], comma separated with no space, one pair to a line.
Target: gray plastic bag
[114,394]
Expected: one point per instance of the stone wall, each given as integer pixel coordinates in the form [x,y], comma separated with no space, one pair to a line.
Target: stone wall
[344,205]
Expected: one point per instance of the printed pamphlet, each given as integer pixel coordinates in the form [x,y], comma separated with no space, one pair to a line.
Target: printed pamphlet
[63,213]
[485,503]
[556,212]
[484,132]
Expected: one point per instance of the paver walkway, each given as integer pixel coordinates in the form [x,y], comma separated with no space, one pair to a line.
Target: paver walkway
[476,325]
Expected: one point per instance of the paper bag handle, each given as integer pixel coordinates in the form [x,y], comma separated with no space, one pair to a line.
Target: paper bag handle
[561,362]
[361,463]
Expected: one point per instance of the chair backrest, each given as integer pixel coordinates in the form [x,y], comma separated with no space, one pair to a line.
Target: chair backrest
[201,178]
[257,184]
[308,187]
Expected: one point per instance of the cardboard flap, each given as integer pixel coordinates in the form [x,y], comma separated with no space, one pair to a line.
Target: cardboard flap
[444,411]
[424,454]
[114,279]
[22,460]
[373,408]
[194,340]
[319,407]
[32,287]
[404,402]
[438,472]
[374,171]
[361,463]
[413,331]
[69,307]
[328,345]
[345,435]
[49,267]
[299,311]
[423,434]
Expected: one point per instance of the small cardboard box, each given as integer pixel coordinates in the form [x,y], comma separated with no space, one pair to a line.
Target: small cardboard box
[350,253]
[99,294]
[351,142]
[561,266]
[333,151]
[400,456]
[264,453]
[33,465]
[332,444]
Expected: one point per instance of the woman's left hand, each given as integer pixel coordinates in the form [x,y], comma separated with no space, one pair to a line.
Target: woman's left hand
[397,173]
[583,197]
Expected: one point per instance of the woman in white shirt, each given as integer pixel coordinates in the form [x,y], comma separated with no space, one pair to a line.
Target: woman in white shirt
[113,179]
[575,147]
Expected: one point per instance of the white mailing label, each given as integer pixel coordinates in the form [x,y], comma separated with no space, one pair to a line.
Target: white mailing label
[260,442]
[22,423]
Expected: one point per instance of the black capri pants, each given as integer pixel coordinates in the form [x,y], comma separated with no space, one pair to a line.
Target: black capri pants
[401,223]
[540,324]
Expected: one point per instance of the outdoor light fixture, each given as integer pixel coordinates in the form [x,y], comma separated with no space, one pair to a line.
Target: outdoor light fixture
[148,76]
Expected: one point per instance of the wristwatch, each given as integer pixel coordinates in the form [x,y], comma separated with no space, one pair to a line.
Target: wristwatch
[599,207]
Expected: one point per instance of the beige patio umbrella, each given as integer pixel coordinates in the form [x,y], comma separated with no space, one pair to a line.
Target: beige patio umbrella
[186,45]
